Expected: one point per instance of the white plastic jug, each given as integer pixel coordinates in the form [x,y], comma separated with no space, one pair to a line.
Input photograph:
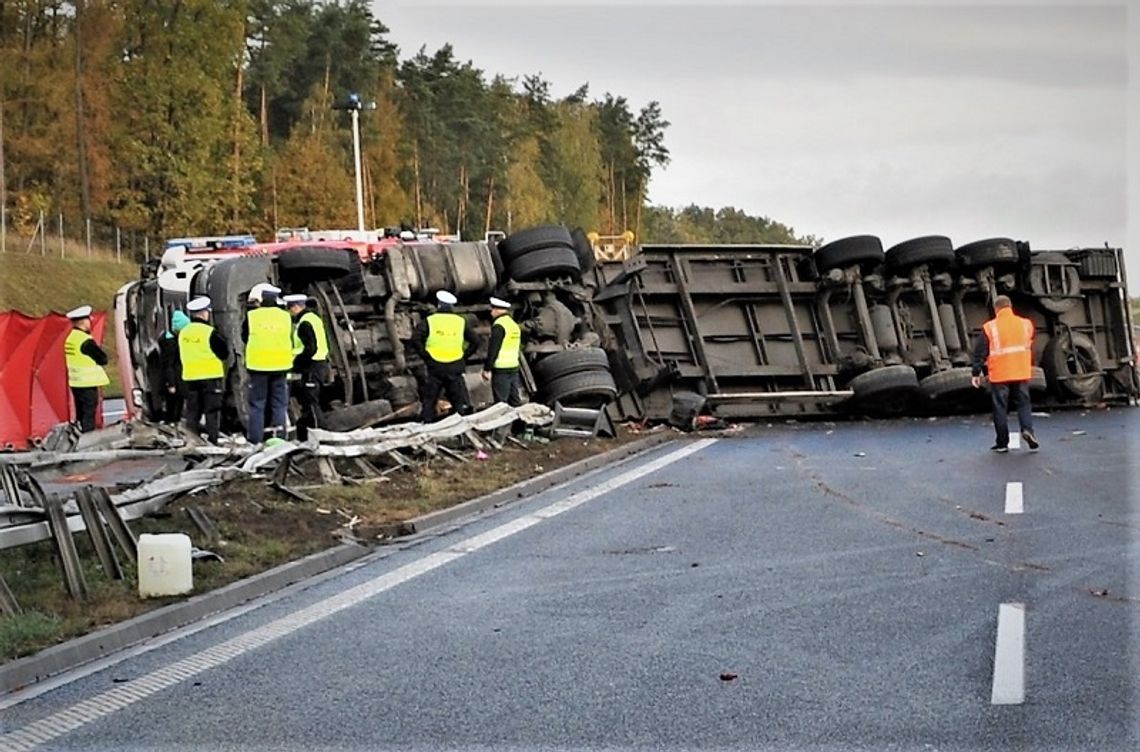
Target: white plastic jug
[164,565]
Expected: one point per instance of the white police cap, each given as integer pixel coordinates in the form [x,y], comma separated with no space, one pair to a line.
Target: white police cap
[443,296]
[296,298]
[82,312]
[500,303]
[201,303]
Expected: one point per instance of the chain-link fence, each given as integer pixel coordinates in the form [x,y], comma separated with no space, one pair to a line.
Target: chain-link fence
[71,237]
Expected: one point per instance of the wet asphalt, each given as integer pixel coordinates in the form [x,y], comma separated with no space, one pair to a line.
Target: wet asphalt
[810,586]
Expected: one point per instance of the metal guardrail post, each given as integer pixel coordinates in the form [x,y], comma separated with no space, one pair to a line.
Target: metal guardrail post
[97,531]
[9,484]
[8,604]
[119,530]
[65,547]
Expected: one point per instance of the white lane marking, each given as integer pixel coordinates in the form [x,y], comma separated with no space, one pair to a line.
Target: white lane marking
[124,695]
[1009,656]
[1014,498]
[1015,440]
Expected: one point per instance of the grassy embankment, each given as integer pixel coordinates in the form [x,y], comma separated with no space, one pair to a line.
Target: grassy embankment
[36,285]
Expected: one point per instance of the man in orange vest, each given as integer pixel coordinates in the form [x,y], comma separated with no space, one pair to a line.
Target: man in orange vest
[1004,352]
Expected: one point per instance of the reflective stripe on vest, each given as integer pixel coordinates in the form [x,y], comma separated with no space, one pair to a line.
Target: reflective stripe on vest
[445,337]
[198,360]
[270,345]
[509,351]
[1010,340]
[82,371]
[318,325]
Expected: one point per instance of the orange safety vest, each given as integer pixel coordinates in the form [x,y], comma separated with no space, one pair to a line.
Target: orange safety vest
[1011,347]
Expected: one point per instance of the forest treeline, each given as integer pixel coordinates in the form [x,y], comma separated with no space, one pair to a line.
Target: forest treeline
[207,116]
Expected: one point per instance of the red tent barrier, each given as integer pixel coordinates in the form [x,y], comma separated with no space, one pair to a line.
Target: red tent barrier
[33,376]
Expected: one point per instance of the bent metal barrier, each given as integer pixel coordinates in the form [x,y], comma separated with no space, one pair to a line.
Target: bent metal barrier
[760,330]
[33,376]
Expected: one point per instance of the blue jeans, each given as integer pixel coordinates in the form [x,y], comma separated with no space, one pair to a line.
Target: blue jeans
[1012,394]
[266,390]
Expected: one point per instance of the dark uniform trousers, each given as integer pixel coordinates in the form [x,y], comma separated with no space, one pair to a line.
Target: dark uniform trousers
[307,390]
[505,386]
[267,387]
[86,401]
[204,399]
[444,378]
[1012,394]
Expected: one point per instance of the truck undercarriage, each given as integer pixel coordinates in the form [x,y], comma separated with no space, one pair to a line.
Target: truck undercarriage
[741,331]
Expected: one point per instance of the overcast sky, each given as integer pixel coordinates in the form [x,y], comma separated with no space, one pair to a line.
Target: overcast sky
[963,119]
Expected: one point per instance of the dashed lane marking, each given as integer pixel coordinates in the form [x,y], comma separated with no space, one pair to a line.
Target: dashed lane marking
[69,719]
[1009,656]
[1014,498]
[1015,441]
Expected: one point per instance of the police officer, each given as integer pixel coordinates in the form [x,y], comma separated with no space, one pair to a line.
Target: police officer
[1004,351]
[443,340]
[170,366]
[268,335]
[85,361]
[203,353]
[310,362]
[502,365]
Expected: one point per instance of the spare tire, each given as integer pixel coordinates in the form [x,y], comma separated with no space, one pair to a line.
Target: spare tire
[564,363]
[593,388]
[1047,295]
[534,238]
[1072,366]
[545,263]
[935,250]
[989,252]
[315,264]
[866,251]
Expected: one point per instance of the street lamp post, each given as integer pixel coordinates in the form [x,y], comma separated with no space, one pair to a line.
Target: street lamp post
[354,106]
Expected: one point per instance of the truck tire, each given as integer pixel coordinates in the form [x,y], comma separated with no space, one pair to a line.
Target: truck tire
[584,250]
[989,252]
[1040,288]
[594,388]
[523,242]
[866,251]
[315,264]
[934,250]
[884,384]
[545,263]
[951,383]
[1072,366]
[559,364]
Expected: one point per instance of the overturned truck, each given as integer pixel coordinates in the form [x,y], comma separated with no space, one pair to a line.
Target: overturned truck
[753,331]
[371,297]
[741,331]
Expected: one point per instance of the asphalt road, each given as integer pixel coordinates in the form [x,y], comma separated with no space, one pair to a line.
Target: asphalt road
[850,577]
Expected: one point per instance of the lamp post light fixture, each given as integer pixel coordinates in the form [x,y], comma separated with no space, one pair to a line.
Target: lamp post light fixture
[354,106]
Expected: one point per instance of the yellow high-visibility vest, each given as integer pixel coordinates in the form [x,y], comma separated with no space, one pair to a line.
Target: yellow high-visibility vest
[198,361]
[318,325]
[445,337]
[270,345]
[512,338]
[82,371]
